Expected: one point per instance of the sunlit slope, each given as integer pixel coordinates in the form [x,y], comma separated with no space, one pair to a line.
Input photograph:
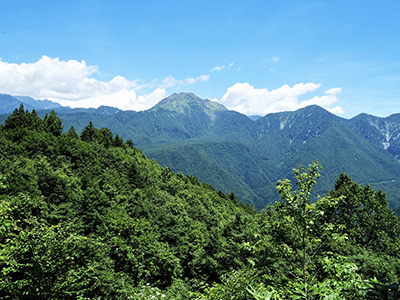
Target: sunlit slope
[235,153]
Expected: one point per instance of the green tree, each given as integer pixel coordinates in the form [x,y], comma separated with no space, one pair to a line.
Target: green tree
[312,271]
[53,123]
[88,133]
[105,137]
[72,133]
[118,141]
[43,261]
[130,144]
[17,118]
[20,121]
[368,221]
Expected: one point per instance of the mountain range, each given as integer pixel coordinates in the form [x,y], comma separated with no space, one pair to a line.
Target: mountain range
[246,155]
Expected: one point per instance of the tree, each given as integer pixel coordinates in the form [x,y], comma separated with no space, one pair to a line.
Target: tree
[302,235]
[88,133]
[16,119]
[130,144]
[23,119]
[53,124]
[118,141]
[72,133]
[368,221]
[105,137]
[39,260]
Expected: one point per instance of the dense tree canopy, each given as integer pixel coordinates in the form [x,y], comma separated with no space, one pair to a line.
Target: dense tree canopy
[91,217]
[365,214]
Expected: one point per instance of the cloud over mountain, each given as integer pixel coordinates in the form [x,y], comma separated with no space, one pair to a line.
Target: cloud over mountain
[69,83]
[246,99]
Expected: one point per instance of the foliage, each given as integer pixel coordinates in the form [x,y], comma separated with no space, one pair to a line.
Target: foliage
[234,285]
[229,166]
[188,135]
[304,237]
[90,217]
[365,214]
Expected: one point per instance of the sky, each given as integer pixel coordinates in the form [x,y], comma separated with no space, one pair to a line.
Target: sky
[255,57]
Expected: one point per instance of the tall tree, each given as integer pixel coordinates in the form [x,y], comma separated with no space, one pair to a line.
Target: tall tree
[53,123]
[72,133]
[88,133]
[300,236]
[366,215]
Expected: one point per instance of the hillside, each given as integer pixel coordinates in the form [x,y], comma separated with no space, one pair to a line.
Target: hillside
[229,166]
[118,216]
[365,147]
[90,217]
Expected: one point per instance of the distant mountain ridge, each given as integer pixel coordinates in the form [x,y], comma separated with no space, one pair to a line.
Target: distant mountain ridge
[234,152]
[9,103]
[38,104]
[384,132]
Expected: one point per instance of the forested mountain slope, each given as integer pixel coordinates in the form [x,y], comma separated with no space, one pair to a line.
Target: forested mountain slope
[90,217]
[229,166]
[103,217]
[365,147]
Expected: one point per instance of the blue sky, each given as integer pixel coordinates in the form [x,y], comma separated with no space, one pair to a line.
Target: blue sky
[255,57]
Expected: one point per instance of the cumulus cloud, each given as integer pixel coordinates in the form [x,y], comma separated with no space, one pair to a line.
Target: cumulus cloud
[337,110]
[69,83]
[149,100]
[246,99]
[327,100]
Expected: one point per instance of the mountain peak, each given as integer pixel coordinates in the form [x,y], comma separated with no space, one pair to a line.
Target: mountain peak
[187,102]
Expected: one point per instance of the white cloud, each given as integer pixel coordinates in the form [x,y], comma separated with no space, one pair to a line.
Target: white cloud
[169,82]
[50,77]
[272,70]
[203,78]
[275,58]
[172,82]
[337,110]
[327,100]
[218,69]
[248,100]
[149,100]
[69,83]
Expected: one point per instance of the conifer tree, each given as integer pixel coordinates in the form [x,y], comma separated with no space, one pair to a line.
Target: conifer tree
[72,133]
[365,213]
[53,123]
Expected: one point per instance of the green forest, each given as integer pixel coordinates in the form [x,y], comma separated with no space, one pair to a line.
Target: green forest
[88,216]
